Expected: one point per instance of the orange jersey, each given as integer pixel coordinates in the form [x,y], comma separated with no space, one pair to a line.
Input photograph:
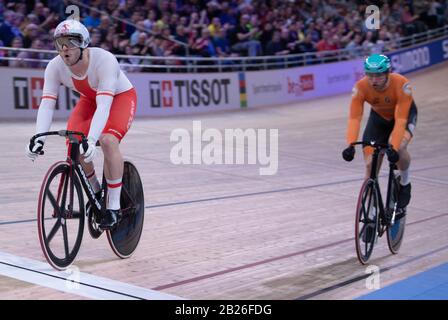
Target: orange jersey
[392,104]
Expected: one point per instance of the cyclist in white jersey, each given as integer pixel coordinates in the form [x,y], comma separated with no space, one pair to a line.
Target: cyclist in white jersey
[104,112]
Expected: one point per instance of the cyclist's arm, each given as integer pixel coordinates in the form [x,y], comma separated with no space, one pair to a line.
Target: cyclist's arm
[401,115]
[356,110]
[108,73]
[48,101]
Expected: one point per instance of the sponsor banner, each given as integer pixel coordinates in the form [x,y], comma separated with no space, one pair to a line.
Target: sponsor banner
[302,83]
[420,56]
[170,94]
[157,94]
[21,92]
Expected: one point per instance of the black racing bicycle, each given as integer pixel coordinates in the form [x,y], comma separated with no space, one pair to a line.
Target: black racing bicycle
[373,218]
[61,211]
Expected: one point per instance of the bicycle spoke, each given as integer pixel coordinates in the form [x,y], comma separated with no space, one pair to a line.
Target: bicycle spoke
[53,202]
[369,205]
[64,232]
[363,229]
[366,244]
[54,230]
[64,192]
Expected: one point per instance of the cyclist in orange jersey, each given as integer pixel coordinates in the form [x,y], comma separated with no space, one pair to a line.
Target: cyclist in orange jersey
[392,118]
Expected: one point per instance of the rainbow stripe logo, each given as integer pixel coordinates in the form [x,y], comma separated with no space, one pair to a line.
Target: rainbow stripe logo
[243,96]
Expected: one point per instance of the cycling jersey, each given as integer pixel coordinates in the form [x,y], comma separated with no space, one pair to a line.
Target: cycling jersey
[393,103]
[102,82]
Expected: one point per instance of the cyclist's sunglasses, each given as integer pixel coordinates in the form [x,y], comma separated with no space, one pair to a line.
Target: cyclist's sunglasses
[70,42]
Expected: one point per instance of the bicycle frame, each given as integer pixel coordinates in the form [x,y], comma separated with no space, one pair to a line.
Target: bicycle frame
[73,159]
[374,177]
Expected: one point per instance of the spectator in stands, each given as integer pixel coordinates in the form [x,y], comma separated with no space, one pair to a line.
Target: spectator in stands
[8,30]
[127,62]
[17,43]
[141,47]
[276,46]
[204,45]
[323,44]
[354,47]
[39,56]
[92,20]
[222,44]
[180,36]
[135,35]
[196,21]
[368,43]
[150,20]
[409,20]
[307,45]
[215,26]
[228,14]
[95,38]
[104,26]
[30,33]
[174,22]
[245,38]
[266,36]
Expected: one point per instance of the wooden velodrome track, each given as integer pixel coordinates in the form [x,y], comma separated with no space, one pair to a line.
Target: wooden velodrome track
[224,231]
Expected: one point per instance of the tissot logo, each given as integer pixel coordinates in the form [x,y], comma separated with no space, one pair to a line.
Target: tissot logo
[188,93]
[28,93]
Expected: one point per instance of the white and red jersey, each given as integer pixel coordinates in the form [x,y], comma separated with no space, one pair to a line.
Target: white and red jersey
[103,76]
[102,81]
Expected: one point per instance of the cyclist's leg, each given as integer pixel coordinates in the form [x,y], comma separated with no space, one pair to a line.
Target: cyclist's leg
[80,120]
[120,119]
[404,162]
[379,130]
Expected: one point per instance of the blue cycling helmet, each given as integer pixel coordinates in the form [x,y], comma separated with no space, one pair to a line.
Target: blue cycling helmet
[377,63]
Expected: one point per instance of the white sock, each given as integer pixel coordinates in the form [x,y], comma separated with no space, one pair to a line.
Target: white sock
[404,177]
[113,194]
[94,181]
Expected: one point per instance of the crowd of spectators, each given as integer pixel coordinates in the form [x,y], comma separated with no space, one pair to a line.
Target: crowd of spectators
[224,28]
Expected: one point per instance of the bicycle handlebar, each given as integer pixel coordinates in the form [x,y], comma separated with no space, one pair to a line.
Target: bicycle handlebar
[372,144]
[62,133]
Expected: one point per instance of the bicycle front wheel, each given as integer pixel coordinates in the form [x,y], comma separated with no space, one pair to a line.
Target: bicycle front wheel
[60,216]
[366,223]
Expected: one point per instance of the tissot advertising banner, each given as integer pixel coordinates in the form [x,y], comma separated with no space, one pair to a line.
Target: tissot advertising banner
[169,94]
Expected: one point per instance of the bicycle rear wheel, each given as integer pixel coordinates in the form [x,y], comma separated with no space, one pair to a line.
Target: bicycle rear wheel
[366,223]
[395,232]
[125,236]
[60,216]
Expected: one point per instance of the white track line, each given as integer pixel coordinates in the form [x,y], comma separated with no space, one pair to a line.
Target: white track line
[73,281]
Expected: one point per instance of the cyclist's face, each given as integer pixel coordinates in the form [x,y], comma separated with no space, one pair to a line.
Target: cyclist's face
[377,80]
[68,49]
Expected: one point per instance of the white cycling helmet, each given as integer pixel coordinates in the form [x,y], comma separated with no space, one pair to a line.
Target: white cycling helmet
[73,28]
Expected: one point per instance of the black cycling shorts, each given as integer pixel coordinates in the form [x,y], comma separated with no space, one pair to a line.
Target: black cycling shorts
[379,129]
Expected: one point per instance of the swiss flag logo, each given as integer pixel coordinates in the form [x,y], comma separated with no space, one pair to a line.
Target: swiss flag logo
[37,85]
[167,93]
